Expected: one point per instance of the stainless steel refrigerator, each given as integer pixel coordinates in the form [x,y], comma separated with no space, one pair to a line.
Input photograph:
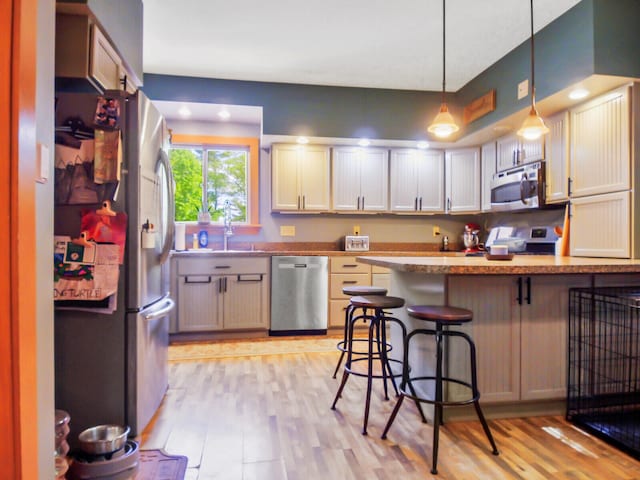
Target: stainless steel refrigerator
[113,368]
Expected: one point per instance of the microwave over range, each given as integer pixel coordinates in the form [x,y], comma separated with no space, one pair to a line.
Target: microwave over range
[518,188]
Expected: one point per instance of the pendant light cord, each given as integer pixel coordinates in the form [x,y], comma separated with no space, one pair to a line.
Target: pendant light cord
[444,50]
[533,75]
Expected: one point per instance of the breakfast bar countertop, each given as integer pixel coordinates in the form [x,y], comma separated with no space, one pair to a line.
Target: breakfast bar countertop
[519,265]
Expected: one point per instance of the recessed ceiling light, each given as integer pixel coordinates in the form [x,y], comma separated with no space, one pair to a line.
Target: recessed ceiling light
[422,145]
[578,93]
[302,140]
[364,142]
[224,114]
[184,111]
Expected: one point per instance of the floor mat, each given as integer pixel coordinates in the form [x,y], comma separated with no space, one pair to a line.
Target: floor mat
[157,465]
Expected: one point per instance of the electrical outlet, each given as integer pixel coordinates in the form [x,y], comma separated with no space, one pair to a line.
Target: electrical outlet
[436,230]
[356,229]
[523,89]
[287,231]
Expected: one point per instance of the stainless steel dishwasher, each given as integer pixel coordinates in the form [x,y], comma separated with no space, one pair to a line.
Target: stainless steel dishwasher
[299,295]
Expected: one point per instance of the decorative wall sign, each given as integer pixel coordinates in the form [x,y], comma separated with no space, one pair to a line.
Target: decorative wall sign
[479,107]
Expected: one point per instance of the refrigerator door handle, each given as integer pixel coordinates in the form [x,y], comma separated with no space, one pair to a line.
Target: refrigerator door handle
[163,172]
[169,305]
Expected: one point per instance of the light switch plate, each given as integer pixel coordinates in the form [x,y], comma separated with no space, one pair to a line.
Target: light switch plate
[523,89]
[287,230]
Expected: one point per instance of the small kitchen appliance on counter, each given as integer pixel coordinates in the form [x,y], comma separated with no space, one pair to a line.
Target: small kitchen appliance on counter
[356,243]
[537,240]
[471,238]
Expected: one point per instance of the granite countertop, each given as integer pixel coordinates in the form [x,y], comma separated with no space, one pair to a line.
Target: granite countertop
[203,252]
[520,264]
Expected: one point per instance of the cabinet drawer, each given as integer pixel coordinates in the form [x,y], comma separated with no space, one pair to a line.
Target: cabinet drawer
[348,265]
[336,312]
[202,266]
[339,280]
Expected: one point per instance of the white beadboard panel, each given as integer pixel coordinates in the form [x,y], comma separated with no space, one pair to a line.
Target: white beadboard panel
[246,302]
[495,330]
[201,291]
[600,145]
[488,159]
[544,341]
[601,226]
[557,158]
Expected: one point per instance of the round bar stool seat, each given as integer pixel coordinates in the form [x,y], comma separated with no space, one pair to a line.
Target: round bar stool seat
[442,316]
[354,290]
[376,335]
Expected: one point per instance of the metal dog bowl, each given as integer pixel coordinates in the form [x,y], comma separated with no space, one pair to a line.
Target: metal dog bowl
[103,439]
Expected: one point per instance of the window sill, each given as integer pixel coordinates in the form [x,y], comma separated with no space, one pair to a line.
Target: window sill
[217,229]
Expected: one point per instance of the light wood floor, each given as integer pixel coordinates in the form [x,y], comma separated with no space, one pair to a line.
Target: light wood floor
[269,418]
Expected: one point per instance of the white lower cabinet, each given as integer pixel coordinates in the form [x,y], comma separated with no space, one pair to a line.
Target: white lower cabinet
[222,294]
[520,335]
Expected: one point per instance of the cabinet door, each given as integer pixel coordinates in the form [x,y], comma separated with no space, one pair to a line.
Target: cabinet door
[600,158]
[557,159]
[346,178]
[507,152]
[463,180]
[601,226]
[530,151]
[199,303]
[495,330]
[285,191]
[374,180]
[403,180]
[313,172]
[543,348]
[488,158]
[430,173]
[105,65]
[246,301]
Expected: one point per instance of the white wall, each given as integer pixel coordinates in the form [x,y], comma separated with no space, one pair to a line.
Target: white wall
[44,234]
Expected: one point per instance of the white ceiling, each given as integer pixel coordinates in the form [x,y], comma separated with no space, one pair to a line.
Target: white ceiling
[359,43]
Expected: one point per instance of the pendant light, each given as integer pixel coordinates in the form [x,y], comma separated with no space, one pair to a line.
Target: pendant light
[443,125]
[533,126]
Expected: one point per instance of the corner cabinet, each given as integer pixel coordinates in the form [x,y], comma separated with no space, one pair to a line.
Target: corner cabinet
[299,178]
[462,180]
[488,159]
[416,180]
[221,293]
[360,179]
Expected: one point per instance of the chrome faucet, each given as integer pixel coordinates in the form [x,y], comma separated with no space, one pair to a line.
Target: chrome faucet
[228,230]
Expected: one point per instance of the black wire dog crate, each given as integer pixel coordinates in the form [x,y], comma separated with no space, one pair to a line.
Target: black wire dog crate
[604,364]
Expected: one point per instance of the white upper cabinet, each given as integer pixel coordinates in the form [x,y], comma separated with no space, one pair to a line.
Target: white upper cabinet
[600,158]
[417,180]
[488,159]
[360,179]
[557,159]
[462,180]
[300,178]
[513,151]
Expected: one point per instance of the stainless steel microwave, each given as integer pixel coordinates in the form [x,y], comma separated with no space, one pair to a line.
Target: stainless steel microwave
[518,188]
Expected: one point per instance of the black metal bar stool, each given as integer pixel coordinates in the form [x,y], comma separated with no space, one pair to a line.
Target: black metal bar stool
[377,334]
[353,291]
[442,316]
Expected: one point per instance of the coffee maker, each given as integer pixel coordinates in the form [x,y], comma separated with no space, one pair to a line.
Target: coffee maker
[471,238]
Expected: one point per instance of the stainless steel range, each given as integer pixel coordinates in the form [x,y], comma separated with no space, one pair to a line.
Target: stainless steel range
[537,240]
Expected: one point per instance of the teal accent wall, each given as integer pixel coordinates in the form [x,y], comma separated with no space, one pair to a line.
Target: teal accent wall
[593,37]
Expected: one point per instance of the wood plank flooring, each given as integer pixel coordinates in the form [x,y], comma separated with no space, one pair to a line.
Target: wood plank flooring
[268,417]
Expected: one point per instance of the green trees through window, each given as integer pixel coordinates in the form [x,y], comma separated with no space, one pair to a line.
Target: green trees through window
[224,173]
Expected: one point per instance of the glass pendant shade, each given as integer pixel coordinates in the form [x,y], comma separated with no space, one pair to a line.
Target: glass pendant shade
[443,125]
[533,126]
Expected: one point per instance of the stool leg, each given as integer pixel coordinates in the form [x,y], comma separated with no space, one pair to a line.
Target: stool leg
[347,366]
[437,414]
[347,316]
[405,380]
[476,395]
[374,324]
[386,365]
[393,416]
[381,344]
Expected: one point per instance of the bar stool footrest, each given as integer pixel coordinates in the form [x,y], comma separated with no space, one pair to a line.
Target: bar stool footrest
[447,403]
